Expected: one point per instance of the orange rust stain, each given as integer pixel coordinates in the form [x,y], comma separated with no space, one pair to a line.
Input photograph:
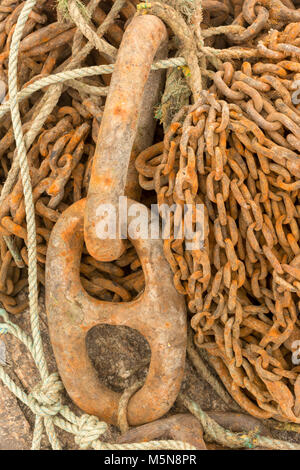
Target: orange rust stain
[120,111]
[65,236]
[102,181]
[16,198]
[54,189]
[84,328]
[107,181]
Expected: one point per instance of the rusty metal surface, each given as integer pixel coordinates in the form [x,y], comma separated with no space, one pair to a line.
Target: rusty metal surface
[239,422]
[158,314]
[118,128]
[182,427]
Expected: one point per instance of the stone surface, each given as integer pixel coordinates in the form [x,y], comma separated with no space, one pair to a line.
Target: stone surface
[15,432]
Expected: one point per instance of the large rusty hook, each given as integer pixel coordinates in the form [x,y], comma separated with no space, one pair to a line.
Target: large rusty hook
[159,312]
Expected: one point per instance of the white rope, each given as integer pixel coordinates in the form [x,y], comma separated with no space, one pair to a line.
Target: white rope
[81,73]
[24,168]
[29,208]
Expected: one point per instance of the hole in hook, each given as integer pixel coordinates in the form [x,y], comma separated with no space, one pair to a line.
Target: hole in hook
[120,355]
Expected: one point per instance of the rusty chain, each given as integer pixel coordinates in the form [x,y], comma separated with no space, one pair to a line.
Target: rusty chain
[236,152]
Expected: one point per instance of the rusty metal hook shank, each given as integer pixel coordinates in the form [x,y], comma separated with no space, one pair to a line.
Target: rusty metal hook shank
[118,129]
[158,314]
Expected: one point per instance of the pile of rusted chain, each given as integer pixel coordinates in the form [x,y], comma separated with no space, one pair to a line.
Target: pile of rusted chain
[236,151]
